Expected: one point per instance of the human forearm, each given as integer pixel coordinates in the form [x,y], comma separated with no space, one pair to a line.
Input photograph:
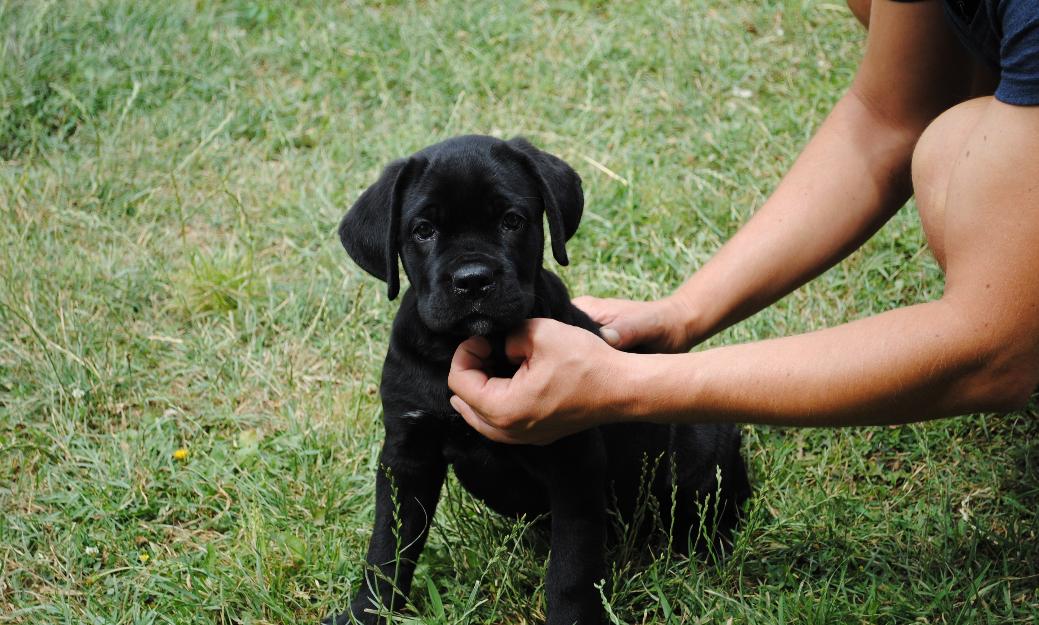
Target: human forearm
[910,364]
[927,361]
[848,181]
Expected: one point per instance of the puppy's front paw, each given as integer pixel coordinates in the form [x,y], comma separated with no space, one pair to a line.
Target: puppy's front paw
[355,616]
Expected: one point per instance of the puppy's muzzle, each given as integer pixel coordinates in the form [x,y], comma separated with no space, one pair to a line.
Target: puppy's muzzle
[473,280]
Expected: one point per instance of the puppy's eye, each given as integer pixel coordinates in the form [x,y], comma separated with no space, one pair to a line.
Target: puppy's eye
[512,221]
[424,231]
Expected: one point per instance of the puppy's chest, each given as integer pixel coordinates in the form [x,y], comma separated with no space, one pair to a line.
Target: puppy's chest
[416,404]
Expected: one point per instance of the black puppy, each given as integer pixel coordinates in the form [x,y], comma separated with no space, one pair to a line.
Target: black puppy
[465,217]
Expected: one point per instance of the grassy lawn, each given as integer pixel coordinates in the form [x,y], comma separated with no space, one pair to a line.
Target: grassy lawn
[171,176]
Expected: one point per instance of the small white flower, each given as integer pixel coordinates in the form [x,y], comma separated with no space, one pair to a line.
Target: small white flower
[78,393]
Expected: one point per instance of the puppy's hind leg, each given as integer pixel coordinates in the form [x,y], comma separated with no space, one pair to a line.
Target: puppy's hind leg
[709,502]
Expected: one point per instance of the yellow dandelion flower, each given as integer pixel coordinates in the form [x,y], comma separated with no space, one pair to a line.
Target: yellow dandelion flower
[143,557]
[181,454]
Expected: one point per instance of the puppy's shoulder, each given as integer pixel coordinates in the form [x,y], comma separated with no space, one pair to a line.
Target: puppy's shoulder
[417,362]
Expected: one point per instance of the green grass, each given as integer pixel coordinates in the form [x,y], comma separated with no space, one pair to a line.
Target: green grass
[171,180]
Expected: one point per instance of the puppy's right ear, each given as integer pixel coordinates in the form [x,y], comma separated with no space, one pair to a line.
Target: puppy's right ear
[370,230]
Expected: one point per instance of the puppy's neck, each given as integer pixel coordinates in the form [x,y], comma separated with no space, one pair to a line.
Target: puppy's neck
[500,366]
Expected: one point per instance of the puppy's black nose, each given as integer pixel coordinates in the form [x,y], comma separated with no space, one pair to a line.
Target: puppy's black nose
[473,280]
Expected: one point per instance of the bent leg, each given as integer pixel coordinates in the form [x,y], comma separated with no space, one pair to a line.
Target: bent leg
[936,151]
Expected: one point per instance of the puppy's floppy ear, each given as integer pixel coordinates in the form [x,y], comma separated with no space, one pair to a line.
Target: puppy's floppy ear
[370,230]
[560,191]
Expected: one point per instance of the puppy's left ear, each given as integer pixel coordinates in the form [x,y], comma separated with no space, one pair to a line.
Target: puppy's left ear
[370,230]
[560,191]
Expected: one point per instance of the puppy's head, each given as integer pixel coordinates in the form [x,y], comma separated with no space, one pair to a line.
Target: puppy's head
[465,218]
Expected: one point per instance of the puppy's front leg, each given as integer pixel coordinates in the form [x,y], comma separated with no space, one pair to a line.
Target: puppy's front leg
[407,488]
[577,493]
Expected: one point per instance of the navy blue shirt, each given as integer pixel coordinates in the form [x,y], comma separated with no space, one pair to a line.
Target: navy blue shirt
[1004,34]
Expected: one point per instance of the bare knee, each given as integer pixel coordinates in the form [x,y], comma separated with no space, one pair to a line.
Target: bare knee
[936,151]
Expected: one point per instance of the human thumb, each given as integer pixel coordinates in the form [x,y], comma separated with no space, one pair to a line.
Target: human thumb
[612,336]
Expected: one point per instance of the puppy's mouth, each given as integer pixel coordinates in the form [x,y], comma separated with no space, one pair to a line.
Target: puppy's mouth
[481,320]
[486,317]
[478,324]
[474,318]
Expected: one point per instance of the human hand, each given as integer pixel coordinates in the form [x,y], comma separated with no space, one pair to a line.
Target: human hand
[565,383]
[657,325]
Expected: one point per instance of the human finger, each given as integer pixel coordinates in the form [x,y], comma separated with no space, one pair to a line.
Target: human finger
[595,307]
[478,423]
[518,346]
[467,375]
[604,311]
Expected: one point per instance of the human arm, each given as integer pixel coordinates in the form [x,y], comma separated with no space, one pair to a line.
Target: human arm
[850,178]
[976,348]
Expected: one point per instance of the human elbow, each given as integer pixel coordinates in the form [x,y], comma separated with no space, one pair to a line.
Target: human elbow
[1007,380]
[1013,393]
